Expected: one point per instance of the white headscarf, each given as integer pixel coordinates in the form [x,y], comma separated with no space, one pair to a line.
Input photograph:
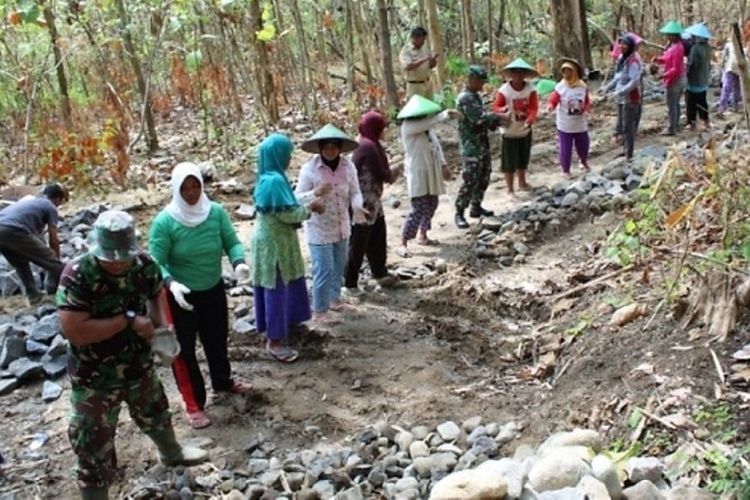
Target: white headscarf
[186,214]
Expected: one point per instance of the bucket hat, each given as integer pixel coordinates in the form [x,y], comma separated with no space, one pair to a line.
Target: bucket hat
[113,236]
[671,28]
[519,65]
[331,133]
[418,106]
[569,60]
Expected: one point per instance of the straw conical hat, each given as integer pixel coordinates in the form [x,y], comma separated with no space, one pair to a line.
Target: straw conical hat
[331,133]
[671,28]
[700,30]
[418,106]
[519,65]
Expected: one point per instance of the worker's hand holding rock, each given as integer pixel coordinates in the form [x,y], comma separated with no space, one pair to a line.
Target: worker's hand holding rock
[242,273]
[179,291]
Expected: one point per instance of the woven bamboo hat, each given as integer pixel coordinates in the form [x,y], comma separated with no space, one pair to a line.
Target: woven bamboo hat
[418,106]
[329,133]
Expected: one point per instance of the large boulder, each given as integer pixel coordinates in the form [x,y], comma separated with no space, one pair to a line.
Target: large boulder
[645,490]
[470,485]
[605,471]
[557,470]
[645,469]
[577,437]
[511,471]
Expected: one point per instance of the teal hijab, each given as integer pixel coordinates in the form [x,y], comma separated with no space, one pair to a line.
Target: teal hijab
[273,193]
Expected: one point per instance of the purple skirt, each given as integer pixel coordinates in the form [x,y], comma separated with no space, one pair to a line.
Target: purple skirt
[278,309]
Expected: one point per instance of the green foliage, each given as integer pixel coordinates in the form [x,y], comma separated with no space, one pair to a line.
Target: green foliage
[268,32]
[578,328]
[630,243]
[728,473]
[456,67]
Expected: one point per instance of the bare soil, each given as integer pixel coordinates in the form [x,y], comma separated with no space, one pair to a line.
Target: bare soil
[447,347]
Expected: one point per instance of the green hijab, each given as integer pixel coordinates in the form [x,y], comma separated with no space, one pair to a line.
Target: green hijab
[273,192]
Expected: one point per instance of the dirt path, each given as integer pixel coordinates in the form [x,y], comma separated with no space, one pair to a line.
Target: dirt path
[444,348]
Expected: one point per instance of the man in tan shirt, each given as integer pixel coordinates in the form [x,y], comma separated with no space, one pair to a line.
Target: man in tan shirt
[417,62]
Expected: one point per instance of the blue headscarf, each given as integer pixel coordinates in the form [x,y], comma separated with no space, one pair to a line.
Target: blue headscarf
[273,193]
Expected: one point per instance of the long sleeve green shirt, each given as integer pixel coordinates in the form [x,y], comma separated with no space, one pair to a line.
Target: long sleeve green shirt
[192,255]
[274,247]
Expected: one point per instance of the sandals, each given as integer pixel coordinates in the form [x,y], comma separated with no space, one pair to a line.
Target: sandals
[324,319]
[282,354]
[403,252]
[198,420]
[241,388]
[342,307]
[428,242]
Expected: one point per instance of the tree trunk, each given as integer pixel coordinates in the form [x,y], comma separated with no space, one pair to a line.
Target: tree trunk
[386,55]
[362,40]
[266,84]
[586,58]
[490,42]
[62,80]
[568,36]
[307,76]
[501,21]
[349,27]
[420,12]
[468,30]
[436,41]
[744,76]
[151,138]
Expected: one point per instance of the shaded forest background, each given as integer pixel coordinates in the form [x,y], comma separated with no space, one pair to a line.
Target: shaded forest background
[86,85]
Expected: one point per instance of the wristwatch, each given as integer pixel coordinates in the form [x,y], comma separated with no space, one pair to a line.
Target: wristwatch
[130,318]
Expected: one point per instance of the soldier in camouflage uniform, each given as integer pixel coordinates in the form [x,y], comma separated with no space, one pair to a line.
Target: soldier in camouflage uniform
[473,129]
[109,303]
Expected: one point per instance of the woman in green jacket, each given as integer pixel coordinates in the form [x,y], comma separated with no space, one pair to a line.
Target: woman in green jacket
[188,239]
[281,298]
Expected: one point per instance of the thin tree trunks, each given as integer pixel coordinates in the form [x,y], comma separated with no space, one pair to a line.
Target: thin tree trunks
[744,76]
[62,80]
[266,85]
[436,41]
[386,56]
[151,138]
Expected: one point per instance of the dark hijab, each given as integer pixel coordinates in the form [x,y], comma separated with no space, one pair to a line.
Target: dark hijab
[371,125]
[629,42]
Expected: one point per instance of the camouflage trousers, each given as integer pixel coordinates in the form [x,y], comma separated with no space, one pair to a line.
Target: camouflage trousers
[93,423]
[475,179]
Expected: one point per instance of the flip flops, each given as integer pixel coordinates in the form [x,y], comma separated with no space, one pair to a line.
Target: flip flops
[283,354]
[198,420]
[428,242]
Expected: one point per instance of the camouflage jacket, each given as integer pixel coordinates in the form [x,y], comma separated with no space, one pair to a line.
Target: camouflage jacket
[85,286]
[474,124]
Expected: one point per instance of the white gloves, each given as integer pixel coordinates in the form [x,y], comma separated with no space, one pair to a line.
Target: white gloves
[178,292]
[242,273]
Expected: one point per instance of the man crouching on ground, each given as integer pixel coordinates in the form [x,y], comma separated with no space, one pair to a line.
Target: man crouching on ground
[109,304]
